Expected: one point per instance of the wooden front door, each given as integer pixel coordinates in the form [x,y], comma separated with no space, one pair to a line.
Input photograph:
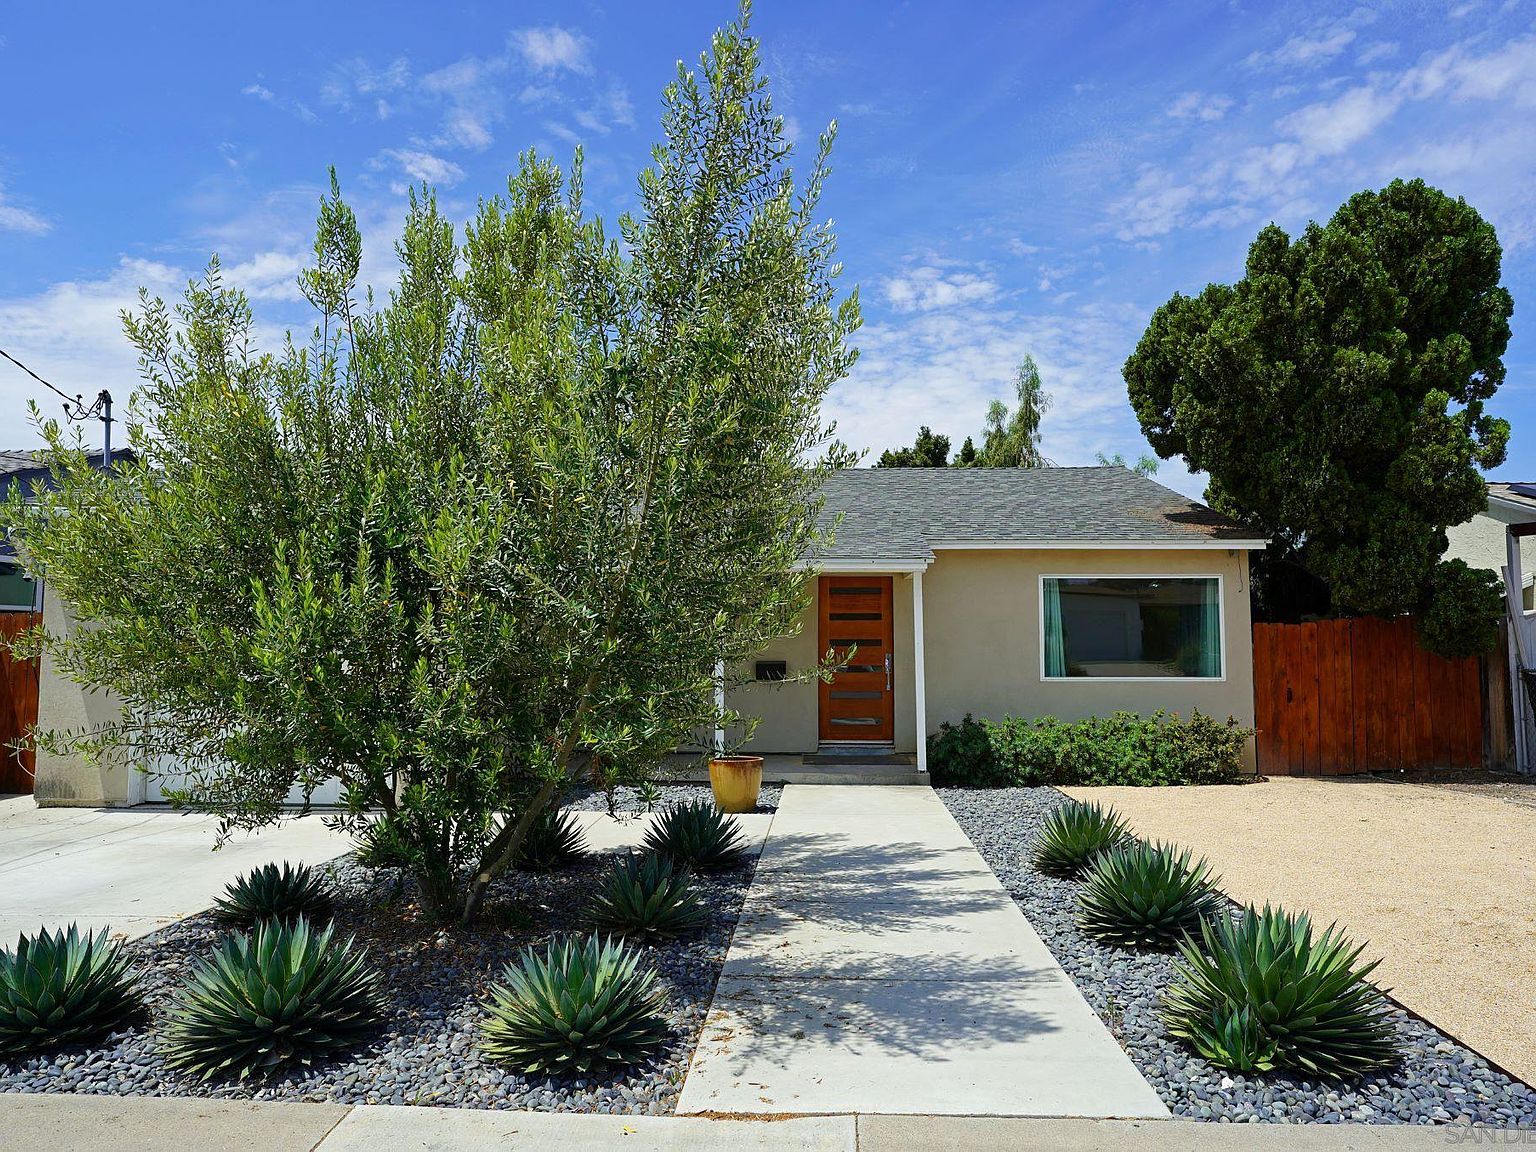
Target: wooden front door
[857,704]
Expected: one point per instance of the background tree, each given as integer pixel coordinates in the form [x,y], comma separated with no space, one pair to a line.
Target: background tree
[492,535]
[1145,465]
[1013,440]
[1335,396]
[929,451]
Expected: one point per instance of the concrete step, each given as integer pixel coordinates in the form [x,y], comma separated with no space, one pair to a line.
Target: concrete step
[842,773]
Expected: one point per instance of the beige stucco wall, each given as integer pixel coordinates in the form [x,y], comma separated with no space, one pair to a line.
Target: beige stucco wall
[1480,543]
[982,630]
[62,705]
[788,710]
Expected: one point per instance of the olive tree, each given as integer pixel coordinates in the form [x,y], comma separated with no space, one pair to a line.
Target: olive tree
[488,534]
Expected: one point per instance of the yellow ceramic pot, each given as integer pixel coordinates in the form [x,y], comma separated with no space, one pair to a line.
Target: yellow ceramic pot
[736,781]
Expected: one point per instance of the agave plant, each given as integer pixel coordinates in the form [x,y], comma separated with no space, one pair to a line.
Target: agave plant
[1140,895]
[647,896]
[1261,992]
[554,841]
[580,1005]
[60,987]
[273,893]
[282,992]
[1074,834]
[697,836]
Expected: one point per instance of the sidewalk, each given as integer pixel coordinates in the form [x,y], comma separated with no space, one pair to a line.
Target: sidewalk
[879,967]
[147,1124]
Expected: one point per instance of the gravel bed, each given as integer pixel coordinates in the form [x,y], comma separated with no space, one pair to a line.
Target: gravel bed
[628,800]
[426,1051]
[1438,1080]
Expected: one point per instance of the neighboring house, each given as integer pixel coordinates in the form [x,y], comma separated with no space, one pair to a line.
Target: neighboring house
[1484,542]
[1068,592]
[1481,541]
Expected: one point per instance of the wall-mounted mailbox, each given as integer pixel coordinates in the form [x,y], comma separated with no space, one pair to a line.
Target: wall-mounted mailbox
[771,670]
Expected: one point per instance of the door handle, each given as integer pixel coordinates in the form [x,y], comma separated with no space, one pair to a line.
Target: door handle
[887,671]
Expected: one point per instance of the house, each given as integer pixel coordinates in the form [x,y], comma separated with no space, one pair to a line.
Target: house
[1489,541]
[1481,541]
[1069,592]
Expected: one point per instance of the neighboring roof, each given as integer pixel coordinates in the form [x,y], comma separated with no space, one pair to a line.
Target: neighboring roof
[23,465]
[1519,492]
[905,513]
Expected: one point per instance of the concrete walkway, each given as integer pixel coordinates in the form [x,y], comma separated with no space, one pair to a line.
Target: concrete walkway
[148,1124]
[880,967]
[133,869]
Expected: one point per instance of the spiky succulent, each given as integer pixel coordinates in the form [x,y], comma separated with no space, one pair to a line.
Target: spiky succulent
[697,836]
[554,841]
[280,993]
[1261,991]
[1140,895]
[1073,834]
[274,893]
[579,1005]
[60,987]
[647,896]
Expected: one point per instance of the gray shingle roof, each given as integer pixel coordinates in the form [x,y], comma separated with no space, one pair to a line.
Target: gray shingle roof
[903,513]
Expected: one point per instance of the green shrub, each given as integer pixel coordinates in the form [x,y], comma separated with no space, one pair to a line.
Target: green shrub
[554,841]
[579,1006]
[1141,895]
[1259,993]
[57,988]
[1073,835]
[696,836]
[279,993]
[646,896]
[961,755]
[1123,748]
[273,893]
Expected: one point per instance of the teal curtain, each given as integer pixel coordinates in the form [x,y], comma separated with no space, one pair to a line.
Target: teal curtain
[1210,641]
[1055,635]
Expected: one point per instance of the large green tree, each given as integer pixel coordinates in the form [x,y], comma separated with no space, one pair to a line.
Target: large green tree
[492,534]
[1335,397]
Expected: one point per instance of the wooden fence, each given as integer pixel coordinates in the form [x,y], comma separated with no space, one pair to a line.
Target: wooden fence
[1361,695]
[18,706]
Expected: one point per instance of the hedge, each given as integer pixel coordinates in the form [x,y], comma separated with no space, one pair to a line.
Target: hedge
[1123,748]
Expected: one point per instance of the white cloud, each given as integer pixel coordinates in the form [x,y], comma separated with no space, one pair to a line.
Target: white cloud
[356,81]
[421,166]
[1329,127]
[552,49]
[930,289]
[1200,106]
[941,369]
[1305,51]
[14,218]
[297,108]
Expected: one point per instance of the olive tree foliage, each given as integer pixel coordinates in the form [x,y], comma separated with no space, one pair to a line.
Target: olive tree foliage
[484,537]
[1335,396]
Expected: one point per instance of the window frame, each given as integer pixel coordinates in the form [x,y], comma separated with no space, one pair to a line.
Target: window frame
[1221,602]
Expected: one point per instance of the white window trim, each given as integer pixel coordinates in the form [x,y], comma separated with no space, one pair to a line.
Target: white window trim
[1221,602]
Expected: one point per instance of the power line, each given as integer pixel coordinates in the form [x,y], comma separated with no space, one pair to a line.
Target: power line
[67,399]
[75,407]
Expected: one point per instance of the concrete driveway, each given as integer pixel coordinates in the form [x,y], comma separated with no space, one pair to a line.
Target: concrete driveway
[133,869]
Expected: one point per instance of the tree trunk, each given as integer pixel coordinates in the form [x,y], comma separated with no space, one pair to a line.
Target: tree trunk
[503,849]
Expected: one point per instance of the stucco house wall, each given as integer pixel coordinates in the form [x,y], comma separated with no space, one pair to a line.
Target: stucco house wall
[982,647]
[62,705]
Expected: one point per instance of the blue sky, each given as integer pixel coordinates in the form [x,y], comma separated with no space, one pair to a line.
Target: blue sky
[1009,178]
